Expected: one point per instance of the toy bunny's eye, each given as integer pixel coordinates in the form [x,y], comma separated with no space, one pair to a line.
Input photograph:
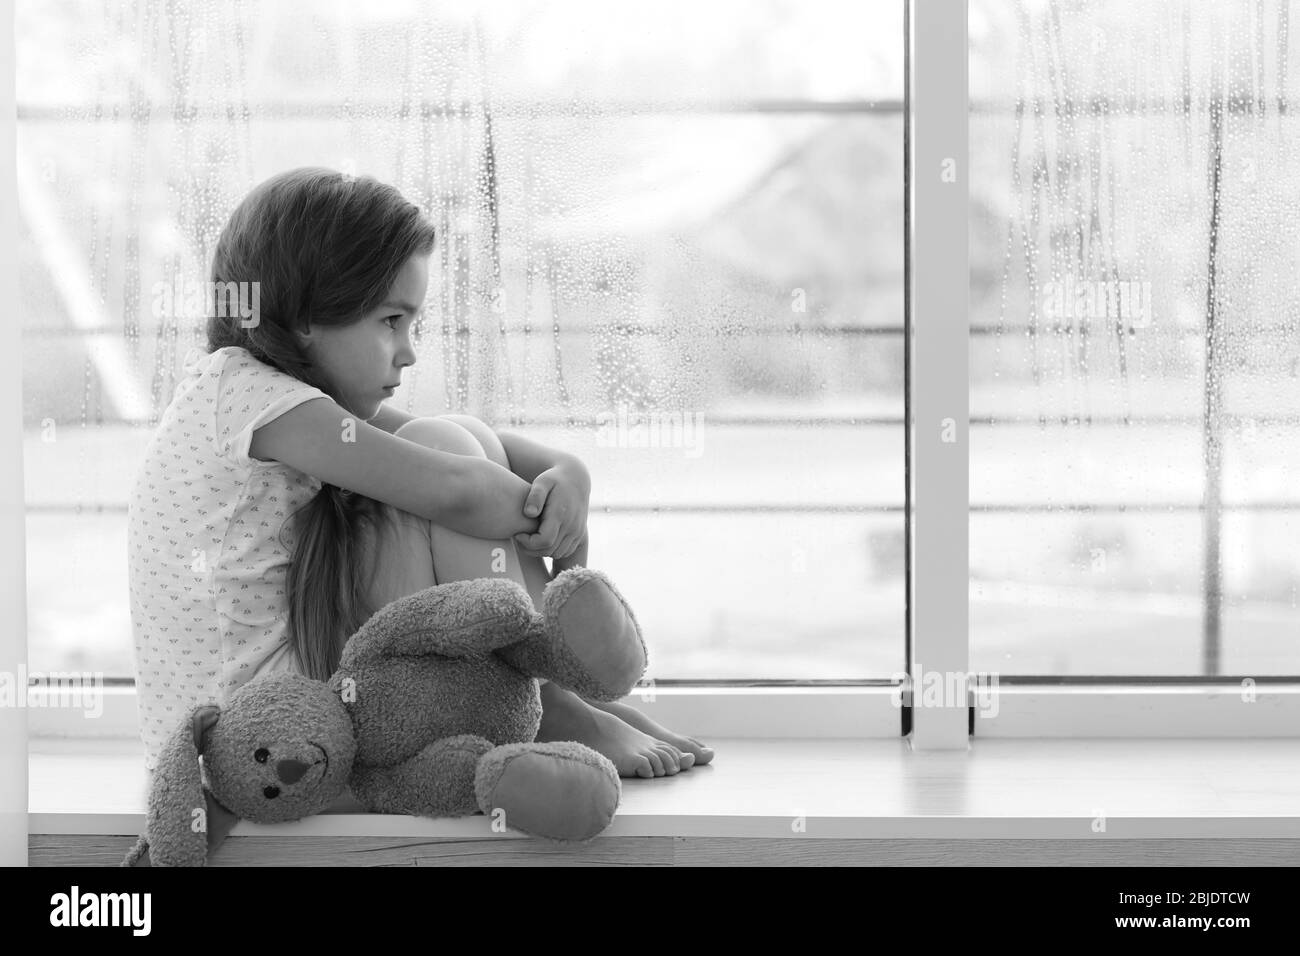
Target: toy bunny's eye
[271,792]
[260,754]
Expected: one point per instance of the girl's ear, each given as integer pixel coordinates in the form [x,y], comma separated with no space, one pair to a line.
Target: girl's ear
[176,829]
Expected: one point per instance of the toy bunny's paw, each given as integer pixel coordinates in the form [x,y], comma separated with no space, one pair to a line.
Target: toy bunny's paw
[560,791]
[597,637]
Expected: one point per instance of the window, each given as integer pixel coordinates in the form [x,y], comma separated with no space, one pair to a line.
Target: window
[1134,340]
[671,225]
[661,230]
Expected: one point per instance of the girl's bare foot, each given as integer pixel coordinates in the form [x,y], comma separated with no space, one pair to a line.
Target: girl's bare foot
[634,717]
[566,716]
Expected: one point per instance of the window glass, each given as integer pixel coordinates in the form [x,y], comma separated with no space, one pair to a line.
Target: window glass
[682,220]
[1135,343]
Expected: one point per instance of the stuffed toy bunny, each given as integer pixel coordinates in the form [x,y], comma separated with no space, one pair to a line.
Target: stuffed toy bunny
[432,712]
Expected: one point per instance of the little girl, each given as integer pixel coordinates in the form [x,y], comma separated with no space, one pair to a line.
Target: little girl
[281,502]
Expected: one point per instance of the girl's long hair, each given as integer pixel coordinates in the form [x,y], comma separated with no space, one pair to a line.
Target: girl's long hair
[325,248]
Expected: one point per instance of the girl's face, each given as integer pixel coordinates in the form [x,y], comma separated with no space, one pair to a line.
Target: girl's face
[362,360]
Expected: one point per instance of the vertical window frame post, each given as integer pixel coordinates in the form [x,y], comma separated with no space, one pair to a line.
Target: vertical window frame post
[938,332]
[13,558]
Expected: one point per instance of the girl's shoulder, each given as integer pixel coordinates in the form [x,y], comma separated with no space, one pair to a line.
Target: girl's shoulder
[199,360]
[231,372]
[231,393]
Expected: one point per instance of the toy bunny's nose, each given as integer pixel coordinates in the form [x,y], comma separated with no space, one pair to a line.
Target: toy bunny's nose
[291,771]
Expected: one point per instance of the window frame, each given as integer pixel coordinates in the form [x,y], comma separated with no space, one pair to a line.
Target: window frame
[936,277]
[15,729]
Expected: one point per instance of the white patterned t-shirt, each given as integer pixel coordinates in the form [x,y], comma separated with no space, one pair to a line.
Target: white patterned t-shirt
[209,538]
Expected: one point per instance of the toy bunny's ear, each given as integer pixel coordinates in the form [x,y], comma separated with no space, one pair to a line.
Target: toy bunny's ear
[176,831]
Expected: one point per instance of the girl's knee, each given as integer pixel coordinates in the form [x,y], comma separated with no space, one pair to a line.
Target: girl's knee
[487,438]
[442,434]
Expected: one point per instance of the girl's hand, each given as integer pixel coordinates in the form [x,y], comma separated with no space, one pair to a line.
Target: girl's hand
[576,560]
[560,495]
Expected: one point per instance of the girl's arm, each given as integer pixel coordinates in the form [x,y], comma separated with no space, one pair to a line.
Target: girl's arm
[390,419]
[528,458]
[464,493]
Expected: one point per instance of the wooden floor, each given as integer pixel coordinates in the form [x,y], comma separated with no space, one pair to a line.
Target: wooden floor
[1078,802]
[90,850]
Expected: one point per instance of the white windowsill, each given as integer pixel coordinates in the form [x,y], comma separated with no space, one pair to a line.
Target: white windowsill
[842,789]
[701,711]
[1225,709]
